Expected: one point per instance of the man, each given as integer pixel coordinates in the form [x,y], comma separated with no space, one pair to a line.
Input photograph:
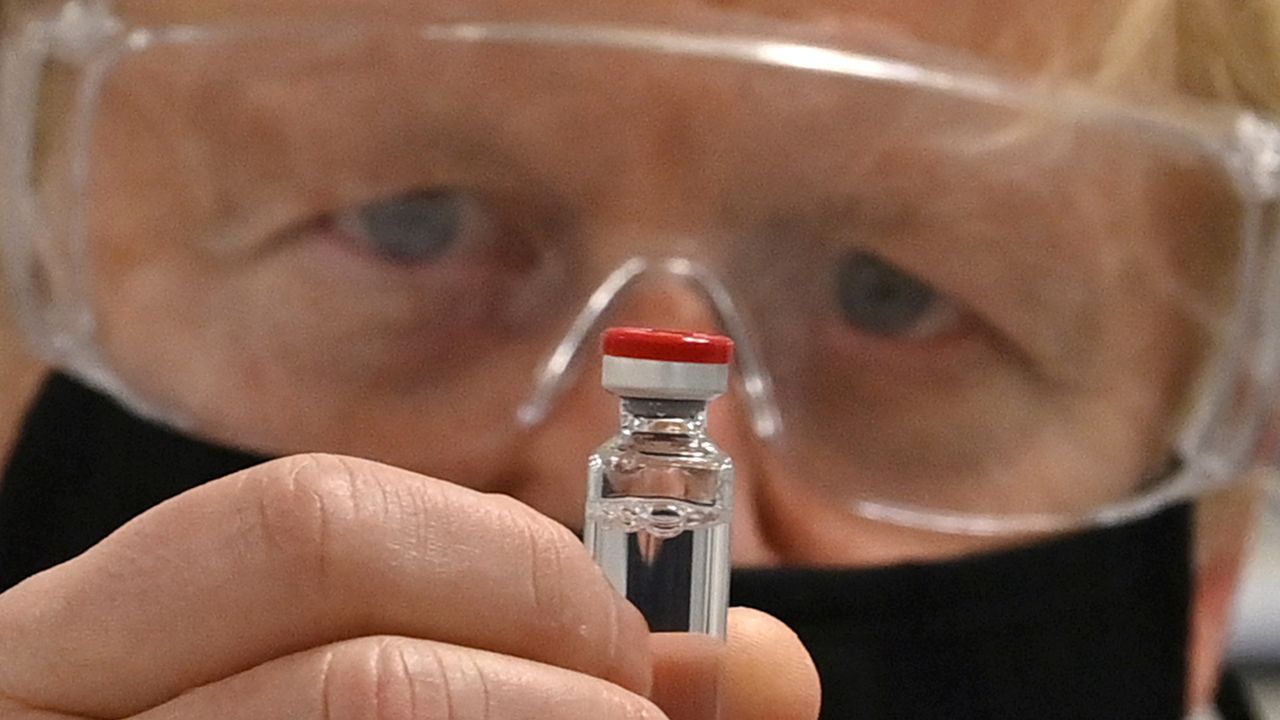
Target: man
[993,341]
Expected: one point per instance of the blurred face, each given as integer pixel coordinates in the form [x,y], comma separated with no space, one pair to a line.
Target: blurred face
[361,246]
[370,245]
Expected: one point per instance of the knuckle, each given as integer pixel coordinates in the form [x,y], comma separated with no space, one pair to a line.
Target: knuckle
[293,505]
[569,596]
[550,563]
[371,679]
[397,678]
[557,562]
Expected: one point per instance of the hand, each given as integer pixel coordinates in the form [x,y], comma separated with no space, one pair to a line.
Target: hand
[327,588]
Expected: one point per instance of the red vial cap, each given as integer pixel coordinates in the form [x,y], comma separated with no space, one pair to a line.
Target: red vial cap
[668,345]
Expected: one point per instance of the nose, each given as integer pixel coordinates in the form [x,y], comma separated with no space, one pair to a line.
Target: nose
[549,466]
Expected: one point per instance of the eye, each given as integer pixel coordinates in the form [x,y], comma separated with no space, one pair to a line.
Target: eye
[417,227]
[876,298]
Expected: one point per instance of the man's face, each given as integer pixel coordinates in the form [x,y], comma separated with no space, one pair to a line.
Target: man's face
[992,334]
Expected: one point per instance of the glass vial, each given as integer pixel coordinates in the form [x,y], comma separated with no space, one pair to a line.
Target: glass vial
[660,492]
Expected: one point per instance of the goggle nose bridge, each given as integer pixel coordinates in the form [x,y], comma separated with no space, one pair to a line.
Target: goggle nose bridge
[558,372]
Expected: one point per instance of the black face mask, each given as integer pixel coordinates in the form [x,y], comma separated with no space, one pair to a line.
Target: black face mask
[1089,627]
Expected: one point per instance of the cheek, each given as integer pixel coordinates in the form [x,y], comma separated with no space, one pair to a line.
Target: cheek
[801,526]
[244,358]
[151,286]
[1062,448]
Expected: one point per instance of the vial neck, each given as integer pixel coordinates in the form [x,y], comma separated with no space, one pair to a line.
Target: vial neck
[664,417]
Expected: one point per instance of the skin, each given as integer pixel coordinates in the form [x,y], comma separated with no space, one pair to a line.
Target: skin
[309,539]
[261,609]
[25,371]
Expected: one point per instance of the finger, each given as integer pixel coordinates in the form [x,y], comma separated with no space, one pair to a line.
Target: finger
[12,710]
[688,675]
[768,674]
[392,678]
[763,672]
[299,553]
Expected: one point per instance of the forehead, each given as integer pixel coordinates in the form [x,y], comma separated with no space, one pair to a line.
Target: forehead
[1023,34]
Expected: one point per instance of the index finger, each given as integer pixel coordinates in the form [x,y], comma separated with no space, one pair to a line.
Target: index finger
[303,552]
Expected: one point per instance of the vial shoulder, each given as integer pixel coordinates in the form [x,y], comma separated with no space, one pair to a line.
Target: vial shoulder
[628,468]
[666,450]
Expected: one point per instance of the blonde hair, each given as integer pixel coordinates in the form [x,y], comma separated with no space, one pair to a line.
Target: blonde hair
[1221,50]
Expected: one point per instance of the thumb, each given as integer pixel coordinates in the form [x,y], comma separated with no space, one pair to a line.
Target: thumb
[763,673]
[768,675]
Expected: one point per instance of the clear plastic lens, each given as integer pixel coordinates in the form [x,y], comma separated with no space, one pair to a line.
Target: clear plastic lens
[958,303]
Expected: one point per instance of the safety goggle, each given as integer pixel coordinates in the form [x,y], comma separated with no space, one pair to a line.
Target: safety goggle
[961,299]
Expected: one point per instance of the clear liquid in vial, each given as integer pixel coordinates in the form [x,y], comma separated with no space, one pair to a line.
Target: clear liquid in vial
[668,557]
